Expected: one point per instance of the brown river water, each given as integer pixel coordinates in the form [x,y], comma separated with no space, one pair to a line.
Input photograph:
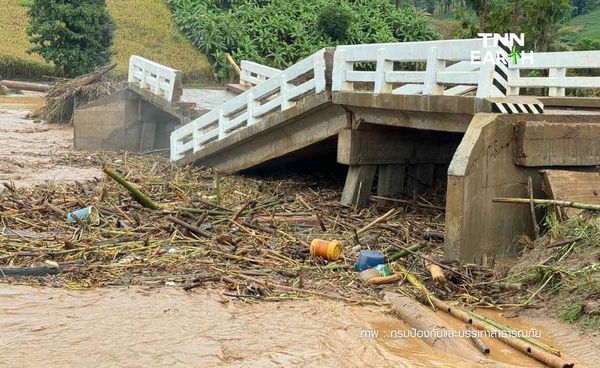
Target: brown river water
[167,327]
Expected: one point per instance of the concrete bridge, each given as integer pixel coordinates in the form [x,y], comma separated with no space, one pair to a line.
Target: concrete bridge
[412,115]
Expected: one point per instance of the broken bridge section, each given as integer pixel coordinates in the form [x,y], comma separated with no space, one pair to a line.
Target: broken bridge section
[138,118]
[406,117]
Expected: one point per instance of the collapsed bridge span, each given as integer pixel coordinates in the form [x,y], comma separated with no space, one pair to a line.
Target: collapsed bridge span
[410,115]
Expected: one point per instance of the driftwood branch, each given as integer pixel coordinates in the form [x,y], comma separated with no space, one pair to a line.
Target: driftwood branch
[549,202]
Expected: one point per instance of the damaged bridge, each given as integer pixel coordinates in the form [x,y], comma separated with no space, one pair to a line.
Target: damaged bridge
[405,116]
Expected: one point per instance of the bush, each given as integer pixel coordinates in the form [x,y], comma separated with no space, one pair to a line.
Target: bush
[334,20]
[278,33]
[74,35]
[587,44]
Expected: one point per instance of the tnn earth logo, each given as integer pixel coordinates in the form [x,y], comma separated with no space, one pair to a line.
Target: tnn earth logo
[508,50]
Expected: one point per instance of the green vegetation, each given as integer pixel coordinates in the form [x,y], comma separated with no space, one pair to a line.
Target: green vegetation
[144,27]
[280,32]
[565,276]
[74,35]
[335,20]
[539,20]
[582,32]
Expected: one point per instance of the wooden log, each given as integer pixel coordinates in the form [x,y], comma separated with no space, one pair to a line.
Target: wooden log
[420,318]
[26,86]
[384,279]
[192,228]
[28,271]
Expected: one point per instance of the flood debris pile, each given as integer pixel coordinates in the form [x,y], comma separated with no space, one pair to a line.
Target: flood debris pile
[66,95]
[248,236]
[561,270]
[251,239]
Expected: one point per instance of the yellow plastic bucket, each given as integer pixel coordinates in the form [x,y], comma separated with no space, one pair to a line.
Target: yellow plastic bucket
[330,250]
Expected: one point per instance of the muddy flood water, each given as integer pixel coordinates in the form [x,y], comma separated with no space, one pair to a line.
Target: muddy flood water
[167,327]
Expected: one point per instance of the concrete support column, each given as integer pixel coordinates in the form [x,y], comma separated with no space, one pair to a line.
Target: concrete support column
[359,183]
[421,177]
[391,180]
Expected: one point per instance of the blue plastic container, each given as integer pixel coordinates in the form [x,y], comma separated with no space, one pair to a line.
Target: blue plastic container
[369,259]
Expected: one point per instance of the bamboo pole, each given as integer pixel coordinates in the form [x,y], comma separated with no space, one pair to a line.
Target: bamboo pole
[404,252]
[139,197]
[525,347]
[233,64]
[477,340]
[549,202]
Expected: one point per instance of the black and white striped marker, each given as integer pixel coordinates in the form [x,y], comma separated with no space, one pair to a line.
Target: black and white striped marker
[517,108]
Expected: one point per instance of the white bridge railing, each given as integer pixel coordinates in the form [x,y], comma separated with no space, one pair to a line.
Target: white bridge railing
[278,93]
[442,68]
[436,56]
[254,74]
[158,79]
[556,63]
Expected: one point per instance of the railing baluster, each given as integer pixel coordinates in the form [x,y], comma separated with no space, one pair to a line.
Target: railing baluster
[382,67]
[557,73]
[513,74]
[250,106]
[284,90]
[434,65]
[340,67]
[221,124]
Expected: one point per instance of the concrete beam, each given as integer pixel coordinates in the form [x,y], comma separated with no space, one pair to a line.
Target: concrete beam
[434,121]
[450,104]
[359,183]
[272,138]
[381,146]
[543,143]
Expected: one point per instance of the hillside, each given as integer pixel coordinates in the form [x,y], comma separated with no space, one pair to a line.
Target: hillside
[581,27]
[144,27]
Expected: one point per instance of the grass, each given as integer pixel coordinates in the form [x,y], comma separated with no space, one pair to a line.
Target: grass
[564,276]
[580,27]
[144,28]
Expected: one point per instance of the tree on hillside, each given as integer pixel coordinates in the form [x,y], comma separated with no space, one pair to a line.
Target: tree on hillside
[541,20]
[75,35]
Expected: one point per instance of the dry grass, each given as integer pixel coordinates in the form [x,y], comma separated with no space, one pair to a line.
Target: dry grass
[144,27]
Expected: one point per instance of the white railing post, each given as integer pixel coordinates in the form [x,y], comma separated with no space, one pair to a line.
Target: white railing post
[382,67]
[143,79]
[557,73]
[174,147]
[434,65]
[251,105]
[284,92]
[513,74]
[319,69]
[340,67]
[222,121]
[489,84]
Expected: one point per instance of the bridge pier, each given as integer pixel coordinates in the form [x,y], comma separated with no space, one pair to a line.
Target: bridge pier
[404,161]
